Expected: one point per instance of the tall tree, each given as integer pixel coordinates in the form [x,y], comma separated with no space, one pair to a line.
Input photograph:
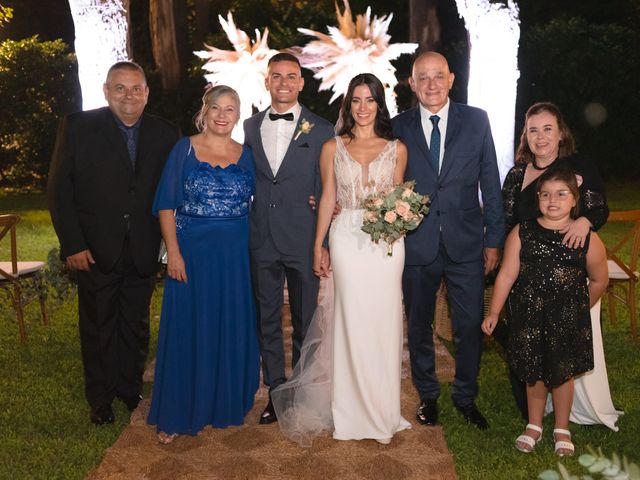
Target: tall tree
[203,9]
[424,26]
[102,38]
[168,26]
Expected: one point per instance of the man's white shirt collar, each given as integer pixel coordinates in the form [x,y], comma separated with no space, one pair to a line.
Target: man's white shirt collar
[427,126]
[443,113]
[277,135]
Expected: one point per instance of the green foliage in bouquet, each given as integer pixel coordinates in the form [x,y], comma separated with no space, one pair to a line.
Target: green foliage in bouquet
[390,214]
[599,465]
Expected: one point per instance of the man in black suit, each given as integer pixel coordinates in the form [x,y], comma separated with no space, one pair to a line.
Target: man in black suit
[104,171]
[451,154]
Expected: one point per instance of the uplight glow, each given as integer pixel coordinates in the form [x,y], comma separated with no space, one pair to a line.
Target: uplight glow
[494,34]
[101,41]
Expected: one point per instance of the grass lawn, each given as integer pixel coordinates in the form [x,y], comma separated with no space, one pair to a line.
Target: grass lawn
[45,432]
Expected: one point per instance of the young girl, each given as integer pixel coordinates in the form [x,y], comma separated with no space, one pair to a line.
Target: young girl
[548,306]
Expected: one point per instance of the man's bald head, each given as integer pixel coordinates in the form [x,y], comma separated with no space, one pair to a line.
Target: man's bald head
[431,80]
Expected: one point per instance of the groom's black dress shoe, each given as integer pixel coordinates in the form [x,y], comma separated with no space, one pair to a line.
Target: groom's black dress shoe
[101,415]
[427,413]
[268,415]
[472,415]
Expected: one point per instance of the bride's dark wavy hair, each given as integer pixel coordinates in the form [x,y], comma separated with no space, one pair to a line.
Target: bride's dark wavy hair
[382,125]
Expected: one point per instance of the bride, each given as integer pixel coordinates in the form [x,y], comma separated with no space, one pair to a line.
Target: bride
[348,378]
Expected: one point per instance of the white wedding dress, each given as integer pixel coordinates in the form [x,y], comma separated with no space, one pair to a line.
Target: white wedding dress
[351,387]
[592,403]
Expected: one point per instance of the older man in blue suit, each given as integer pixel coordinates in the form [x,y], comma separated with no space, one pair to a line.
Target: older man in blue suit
[451,154]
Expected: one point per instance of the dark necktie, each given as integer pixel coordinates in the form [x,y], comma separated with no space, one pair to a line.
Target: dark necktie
[131,145]
[434,146]
[285,116]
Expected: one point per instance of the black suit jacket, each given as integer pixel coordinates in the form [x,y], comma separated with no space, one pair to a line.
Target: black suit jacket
[96,199]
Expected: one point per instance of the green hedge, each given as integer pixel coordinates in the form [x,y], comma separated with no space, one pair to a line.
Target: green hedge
[38,85]
[574,63]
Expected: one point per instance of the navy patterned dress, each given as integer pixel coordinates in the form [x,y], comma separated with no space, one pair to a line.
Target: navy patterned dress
[207,368]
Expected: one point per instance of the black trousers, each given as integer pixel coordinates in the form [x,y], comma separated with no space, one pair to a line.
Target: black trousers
[114,329]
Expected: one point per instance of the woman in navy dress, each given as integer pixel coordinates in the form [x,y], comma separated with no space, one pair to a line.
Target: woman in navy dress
[207,368]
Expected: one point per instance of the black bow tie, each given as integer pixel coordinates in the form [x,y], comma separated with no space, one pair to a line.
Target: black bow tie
[284,116]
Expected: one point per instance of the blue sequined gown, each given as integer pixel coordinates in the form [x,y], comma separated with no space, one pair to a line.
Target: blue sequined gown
[207,367]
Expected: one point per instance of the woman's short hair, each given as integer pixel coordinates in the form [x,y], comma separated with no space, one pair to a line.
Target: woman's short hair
[211,95]
[567,142]
[566,175]
[382,125]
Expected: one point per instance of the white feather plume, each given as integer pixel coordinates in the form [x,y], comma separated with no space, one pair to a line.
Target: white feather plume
[351,48]
[244,68]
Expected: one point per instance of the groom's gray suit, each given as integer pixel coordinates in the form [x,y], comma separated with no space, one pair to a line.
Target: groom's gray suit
[282,235]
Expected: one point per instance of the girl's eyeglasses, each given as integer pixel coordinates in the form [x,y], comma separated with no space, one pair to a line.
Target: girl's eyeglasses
[559,195]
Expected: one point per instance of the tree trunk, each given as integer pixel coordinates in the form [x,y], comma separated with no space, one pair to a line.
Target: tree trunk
[167,22]
[494,34]
[203,9]
[424,26]
[102,39]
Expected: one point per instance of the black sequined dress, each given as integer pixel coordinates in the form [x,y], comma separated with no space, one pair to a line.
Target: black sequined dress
[548,309]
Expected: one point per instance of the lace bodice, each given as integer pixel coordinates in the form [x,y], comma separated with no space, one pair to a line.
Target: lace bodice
[354,182]
[217,192]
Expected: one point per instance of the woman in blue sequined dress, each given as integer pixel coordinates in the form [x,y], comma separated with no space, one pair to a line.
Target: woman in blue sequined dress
[207,368]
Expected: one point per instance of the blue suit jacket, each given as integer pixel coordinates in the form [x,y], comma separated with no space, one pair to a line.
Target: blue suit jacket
[469,161]
[281,204]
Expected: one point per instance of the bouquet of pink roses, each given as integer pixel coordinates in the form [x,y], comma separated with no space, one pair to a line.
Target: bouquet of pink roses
[390,214]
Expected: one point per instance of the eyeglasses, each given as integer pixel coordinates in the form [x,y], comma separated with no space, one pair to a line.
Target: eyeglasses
[559,195]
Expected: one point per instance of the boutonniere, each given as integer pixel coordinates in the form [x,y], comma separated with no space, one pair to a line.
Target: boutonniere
[305,127]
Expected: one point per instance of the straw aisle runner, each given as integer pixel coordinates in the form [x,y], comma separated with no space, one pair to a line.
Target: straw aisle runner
[260,452]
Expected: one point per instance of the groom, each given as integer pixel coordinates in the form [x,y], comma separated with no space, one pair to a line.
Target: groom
[451,153]
[286,140]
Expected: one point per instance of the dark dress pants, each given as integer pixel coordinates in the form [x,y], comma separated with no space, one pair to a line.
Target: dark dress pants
[114,329]
[465,289]
[269,268]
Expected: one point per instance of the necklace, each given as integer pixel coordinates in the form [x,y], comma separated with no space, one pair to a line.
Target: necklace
[536,167]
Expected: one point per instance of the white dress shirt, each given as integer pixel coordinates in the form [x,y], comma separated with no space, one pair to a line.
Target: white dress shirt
[277,135]
[427,127]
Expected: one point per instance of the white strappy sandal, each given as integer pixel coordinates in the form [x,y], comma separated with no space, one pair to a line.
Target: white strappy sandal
[528,439]
[566,445]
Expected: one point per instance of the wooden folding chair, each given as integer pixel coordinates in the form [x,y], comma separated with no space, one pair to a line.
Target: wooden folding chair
[623,276]
[14,274]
